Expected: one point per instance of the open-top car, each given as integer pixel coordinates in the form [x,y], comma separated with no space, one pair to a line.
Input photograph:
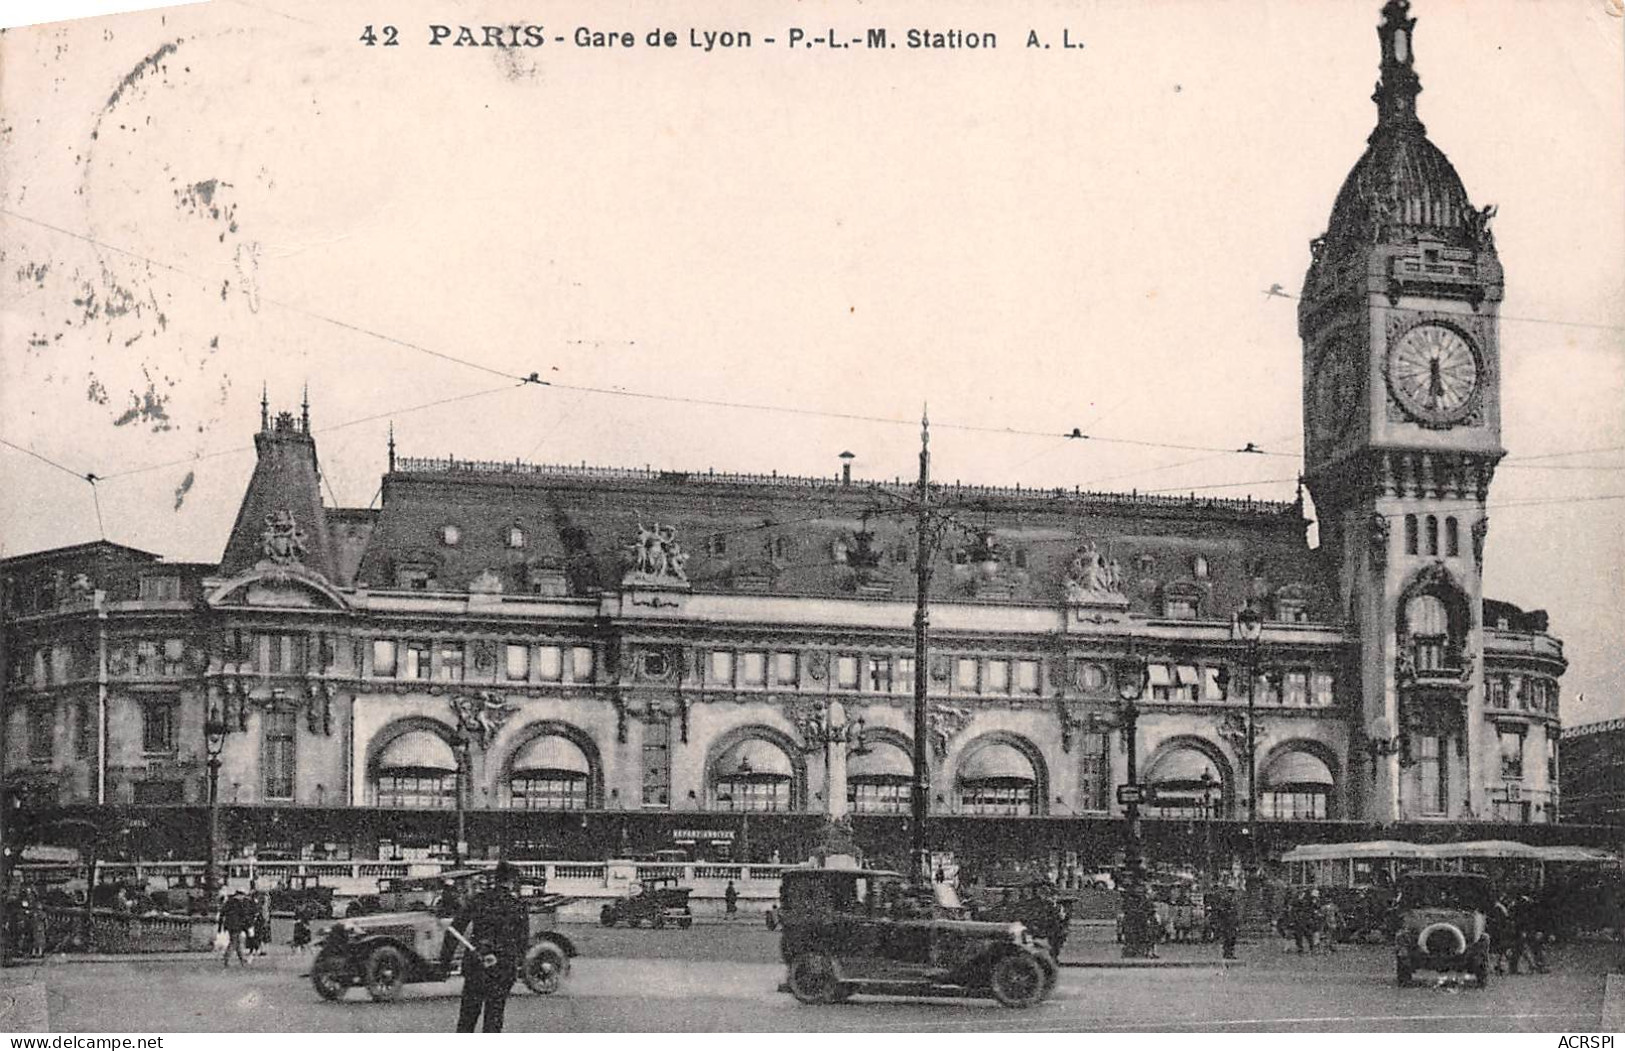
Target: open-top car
[385,951]
[1443,925]
[655,900]
[848,931]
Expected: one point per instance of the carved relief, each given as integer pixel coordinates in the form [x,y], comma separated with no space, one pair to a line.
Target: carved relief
[319,708]
[282,542]
[1092,578]
[1378,534]
[1481,530]
[485,656]
[946,721]
[818,665]
[657,557]
[481,715]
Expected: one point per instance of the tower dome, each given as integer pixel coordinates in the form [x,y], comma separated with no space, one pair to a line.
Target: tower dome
[1403,187]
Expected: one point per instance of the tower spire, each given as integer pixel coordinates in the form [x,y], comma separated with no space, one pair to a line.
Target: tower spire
[265,407]
[391,446]
[304,411]
[1397,90]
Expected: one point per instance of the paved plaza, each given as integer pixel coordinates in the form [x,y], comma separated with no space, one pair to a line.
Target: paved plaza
[725,978]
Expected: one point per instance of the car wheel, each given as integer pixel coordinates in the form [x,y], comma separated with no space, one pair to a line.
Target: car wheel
[1019,980]
[1402,973]
[658,920]
[606,916]
[330,974]
[812,979]
[686,922]
[1100,884]
[545,968]
[385,973]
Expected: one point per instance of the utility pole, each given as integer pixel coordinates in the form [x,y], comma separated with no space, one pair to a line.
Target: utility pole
[921,796]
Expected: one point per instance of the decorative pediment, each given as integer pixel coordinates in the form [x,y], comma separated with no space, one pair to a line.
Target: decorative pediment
[276,586]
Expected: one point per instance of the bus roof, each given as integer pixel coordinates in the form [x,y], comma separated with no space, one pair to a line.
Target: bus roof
[1484,848]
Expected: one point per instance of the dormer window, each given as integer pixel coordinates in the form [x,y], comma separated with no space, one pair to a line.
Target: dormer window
[515,537]
[450,535]
[1199,567]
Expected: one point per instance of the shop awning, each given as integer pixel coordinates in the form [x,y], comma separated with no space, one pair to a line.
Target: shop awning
[882,761]
[1297,768]
[418,750]
[754,759]
[1184,769]
[551,754]
[996,762]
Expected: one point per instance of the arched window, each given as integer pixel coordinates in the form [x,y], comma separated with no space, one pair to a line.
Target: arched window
[1188,785]
[1452,538]
[878,782]
[997,779]
[754,775]
[1410,534]
[550,773]
[1296,785]
[1428,621]
[416,769]
[1433,535]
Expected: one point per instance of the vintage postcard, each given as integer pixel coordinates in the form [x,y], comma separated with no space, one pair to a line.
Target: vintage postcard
[782,517]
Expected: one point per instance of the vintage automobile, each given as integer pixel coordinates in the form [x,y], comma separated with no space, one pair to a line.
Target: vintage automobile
[1443,926]
[385,951]
[849,931]
[302,896]
[1032,902]
[655,900]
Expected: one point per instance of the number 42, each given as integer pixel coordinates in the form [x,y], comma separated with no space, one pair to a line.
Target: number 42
[370,38]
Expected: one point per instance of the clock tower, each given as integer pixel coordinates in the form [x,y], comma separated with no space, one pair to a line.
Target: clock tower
[1402,432]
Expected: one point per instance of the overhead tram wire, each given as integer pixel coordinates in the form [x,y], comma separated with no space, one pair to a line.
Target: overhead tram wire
[88,477]
[534,378]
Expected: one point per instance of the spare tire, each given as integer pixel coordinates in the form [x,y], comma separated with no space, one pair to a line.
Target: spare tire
[1442,939]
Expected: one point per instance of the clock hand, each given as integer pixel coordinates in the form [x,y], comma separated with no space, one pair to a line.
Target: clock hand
[1435,382]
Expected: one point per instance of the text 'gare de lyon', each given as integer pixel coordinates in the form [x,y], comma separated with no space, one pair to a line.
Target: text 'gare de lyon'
[533,36]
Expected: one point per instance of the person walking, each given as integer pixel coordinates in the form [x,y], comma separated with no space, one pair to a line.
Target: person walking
[730,900]
[235,917]
[1226,918]
[494,922]
[301,933]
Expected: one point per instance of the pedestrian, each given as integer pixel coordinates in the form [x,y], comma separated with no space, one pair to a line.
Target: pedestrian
[1226,918]
[236,915]
[301,933]
[730,900]
[1528,935]
[494,922]
[1499,922]
[254,934]
[449,904]
[1331,924]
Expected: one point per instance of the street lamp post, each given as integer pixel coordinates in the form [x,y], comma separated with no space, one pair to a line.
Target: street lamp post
[214,739]
[460,744]
[1250,627]
[1136,933]
[1207,823]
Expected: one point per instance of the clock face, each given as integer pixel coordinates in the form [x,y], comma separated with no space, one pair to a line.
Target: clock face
[1434,373]
[1336,391]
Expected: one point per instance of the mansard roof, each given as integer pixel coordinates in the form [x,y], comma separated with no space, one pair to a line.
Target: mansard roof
[801,536]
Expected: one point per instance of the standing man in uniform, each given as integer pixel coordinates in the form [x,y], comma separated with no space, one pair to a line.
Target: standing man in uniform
[1226,917]
[495,923]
